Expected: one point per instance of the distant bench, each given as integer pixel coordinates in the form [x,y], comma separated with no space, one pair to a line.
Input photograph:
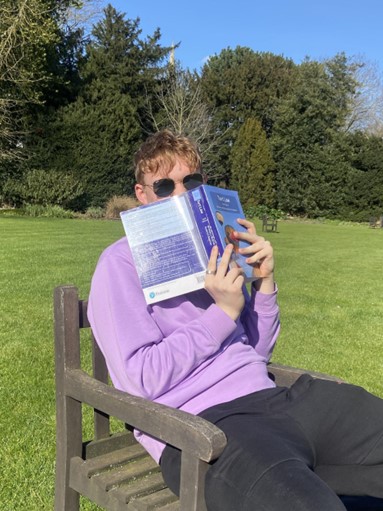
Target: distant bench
[376,222]
[269,224]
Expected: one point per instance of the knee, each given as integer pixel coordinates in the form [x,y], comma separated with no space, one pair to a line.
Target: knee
[289,484]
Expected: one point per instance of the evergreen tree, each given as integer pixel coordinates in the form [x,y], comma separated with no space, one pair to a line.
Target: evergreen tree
[96,135]
[312,173]
[365,191]
[252,166]
[238,84]
[30,35]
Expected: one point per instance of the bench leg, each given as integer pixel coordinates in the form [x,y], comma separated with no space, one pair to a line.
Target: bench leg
[192,487]
[68,444]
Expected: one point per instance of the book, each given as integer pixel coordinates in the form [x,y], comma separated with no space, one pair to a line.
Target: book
[171,239]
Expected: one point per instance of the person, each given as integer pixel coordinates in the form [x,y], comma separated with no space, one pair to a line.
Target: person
[206,352]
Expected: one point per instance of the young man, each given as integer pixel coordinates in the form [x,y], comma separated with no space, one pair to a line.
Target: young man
[206,353]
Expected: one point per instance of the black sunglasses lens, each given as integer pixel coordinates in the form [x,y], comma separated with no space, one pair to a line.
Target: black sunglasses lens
[193,180]
[164,187]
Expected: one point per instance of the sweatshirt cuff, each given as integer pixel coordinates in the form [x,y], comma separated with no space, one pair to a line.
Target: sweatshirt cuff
[264,303]
[218,323]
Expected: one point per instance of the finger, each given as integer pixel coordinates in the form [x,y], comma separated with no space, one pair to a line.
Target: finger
[256,247]
[249,237]
[225,260]
[259,257]
[259,252]
[236,277]
[247,224]
[240,281]
[212,263]
[234,274]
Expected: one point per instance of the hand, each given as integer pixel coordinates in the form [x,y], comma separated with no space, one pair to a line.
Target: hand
[259,254]
[225,287]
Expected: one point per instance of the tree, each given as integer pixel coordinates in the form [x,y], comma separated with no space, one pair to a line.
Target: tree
[366,113]
[26,29]
[83,16]
[365,191]
[252,166]
[29,28]
[30,36]
[240,83]
[178,105]
[312,172]
[96,135]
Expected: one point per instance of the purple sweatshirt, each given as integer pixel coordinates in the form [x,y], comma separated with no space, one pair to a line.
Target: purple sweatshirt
[184,352]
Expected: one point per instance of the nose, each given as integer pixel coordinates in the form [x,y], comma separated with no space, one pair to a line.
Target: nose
[179,188]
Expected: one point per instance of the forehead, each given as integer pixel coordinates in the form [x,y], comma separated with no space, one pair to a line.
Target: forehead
[177,168]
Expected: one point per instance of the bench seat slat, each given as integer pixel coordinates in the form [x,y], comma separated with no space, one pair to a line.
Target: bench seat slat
[159,500]
[125,488]
[126,473]
[120,457]
[144,486]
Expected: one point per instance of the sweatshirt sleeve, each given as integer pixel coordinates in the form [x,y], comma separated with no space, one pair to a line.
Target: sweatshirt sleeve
[261,321]
[140,358]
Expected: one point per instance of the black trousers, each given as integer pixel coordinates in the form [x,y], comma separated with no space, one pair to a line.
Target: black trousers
[293,448]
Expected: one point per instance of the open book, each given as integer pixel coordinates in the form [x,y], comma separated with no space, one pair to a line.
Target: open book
[171,239]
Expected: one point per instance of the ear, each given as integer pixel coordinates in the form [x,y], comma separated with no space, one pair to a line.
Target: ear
[141,194]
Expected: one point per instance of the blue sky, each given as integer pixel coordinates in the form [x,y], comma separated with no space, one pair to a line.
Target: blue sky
[292,28]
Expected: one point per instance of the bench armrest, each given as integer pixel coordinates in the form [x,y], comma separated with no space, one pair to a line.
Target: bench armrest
[185,431]
[285,376]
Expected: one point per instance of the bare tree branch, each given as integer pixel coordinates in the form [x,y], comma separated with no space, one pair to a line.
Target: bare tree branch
[182,108]
[26,27]
[85,17]
[367,105]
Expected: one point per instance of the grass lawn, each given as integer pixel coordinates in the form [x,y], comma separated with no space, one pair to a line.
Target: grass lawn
[330,292]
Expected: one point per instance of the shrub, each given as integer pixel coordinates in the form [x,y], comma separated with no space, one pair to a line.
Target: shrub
[37,210]
[44,187]
[94,212]
[119,203]
[10,212]
[261,210]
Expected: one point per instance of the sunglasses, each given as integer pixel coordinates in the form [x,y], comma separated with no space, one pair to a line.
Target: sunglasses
[165,187]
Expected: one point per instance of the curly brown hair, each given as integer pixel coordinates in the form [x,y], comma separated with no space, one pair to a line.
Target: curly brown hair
[161,150]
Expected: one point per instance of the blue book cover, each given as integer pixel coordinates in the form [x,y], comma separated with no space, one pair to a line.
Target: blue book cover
[171,239]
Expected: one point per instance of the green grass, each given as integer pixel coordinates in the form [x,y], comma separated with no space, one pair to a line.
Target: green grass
[35,256]
[331,288]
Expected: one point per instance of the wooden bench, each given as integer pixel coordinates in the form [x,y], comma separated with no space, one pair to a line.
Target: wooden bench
[269,224]
[373,222]
[376,222]
[113,470]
